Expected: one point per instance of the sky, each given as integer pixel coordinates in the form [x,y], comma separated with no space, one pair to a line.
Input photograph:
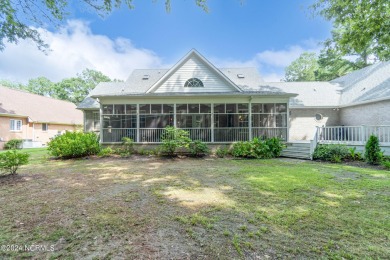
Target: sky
[267,35]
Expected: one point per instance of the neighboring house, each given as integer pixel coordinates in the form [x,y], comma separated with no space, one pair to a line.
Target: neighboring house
[221,105]
[34,118]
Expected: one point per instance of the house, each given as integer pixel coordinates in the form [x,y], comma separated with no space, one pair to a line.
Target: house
[34,118]
[223,105]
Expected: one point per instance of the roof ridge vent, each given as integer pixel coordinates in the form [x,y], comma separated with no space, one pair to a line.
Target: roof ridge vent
[240,76]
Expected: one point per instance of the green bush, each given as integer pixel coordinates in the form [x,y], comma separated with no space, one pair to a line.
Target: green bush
[11,160]
[331,152]
[74,145]
[105,152]
[198,148]
[260,149]
[13,144]
[353,155]
[373,154]
[386,164]
[222,152]
[172,139]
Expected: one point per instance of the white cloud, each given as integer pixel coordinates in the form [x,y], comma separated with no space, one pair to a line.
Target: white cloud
[74,48]
[271,63]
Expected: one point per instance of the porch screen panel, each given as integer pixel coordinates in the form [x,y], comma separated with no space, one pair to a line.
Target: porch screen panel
[153,119]
[119,120]
[269,120]
[231,122]
[196,119]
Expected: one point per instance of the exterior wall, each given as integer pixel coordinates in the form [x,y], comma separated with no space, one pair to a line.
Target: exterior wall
[28,132]
[370,114]
[6,134]
[194,68]
[303,122]
[44,136]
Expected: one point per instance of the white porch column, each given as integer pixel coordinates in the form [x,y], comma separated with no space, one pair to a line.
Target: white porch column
[250,118]
[101,123]
[138,123]
[288,121]
[212,122]
[174,116]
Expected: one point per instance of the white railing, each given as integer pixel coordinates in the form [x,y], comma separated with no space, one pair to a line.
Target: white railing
[221,134]
[352,134]
[202,134]
[231,134]
[267,132]
[150,135]
[115,135]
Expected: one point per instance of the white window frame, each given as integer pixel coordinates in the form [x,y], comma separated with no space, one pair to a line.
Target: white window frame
[15,125]
[46,128]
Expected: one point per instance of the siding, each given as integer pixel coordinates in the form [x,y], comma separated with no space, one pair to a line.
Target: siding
[303,123]
[377,113]
[195,68]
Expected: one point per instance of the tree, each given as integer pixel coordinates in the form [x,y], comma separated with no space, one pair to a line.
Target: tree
[41,86]
[331,65]
[360,27]
[303,68]
[18,18]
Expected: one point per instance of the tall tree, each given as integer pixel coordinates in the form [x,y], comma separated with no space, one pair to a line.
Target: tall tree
[18,18]
[41,86]
[360,27]
[303,68]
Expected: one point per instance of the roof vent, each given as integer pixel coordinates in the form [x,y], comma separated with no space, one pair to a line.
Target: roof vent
[145,77]
[240,76]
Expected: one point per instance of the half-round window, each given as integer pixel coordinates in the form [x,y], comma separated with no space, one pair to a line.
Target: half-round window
[193,83]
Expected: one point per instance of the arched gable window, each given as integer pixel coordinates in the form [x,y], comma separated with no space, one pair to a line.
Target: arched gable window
[193,83]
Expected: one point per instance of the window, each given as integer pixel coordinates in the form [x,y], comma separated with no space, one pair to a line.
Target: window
[45,127]
[15,125]
[319,117]
[193,83]
[96,120]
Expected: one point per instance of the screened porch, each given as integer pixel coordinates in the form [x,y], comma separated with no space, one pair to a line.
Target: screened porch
[211,123]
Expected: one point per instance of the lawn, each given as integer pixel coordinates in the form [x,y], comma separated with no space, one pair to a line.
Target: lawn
[153,208]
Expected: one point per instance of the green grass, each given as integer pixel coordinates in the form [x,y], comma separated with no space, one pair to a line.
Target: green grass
[215,208]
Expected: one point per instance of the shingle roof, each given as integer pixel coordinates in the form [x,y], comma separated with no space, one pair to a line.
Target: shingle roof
[38,108]
[370,83]
[310,94]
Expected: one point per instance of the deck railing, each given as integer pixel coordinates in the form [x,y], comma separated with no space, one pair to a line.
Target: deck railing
[352,134]
[115,135]
[218,135]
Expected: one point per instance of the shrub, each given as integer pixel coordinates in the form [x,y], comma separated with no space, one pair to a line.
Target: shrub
[13,144]
[198,148]
[173,138]
[257,148]
[353,155]
[222,152]
[11,160]
[105,152]
[275,146]
[373,154]
[331,152]
[386,164]
[74,145]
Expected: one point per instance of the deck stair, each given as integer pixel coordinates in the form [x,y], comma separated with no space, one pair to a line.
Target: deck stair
[298,149]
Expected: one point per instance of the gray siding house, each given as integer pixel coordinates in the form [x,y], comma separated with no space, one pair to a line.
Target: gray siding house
[224,105]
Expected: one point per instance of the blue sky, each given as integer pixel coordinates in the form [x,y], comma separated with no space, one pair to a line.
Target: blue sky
[264,34]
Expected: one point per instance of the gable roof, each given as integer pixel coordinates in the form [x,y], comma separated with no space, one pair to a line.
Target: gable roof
[178,65]
[38,108]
